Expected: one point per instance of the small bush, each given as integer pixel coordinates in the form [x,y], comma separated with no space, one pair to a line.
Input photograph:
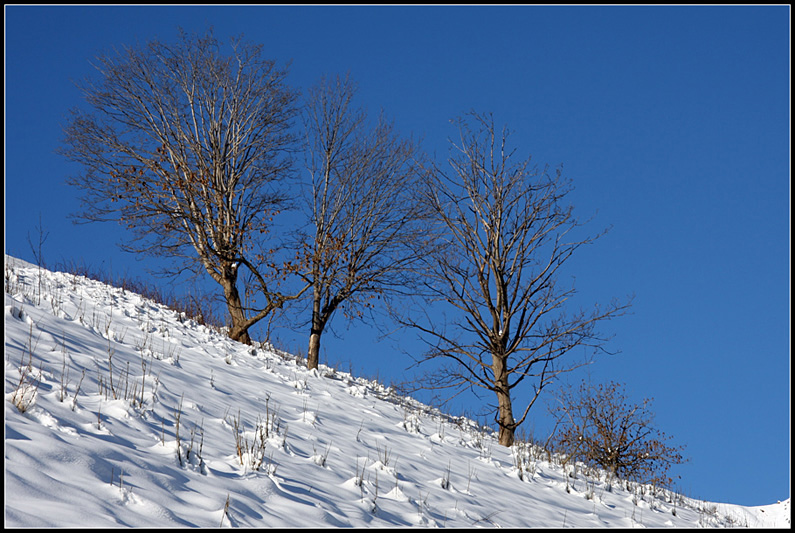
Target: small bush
[599,426]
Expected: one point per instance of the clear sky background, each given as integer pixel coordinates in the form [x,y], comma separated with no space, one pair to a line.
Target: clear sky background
[672,122]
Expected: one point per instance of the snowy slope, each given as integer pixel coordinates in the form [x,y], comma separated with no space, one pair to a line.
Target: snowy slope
[136,417]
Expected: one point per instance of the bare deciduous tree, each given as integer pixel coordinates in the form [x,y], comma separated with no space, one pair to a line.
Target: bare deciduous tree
[363,208]
[187,145]
[598,425]
[507,234]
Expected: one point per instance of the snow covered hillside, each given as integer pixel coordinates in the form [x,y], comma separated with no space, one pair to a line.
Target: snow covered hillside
[120,412]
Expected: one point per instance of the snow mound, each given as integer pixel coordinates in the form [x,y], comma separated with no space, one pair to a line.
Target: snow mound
[122,413]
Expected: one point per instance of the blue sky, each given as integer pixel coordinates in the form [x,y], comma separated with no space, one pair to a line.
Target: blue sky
[672,122]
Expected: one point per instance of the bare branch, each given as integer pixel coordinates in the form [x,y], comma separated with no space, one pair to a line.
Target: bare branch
[365,223]
[187,147]
[507,233]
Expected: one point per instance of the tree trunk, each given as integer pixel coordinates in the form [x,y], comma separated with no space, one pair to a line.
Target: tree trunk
[506,422]
[238,330]
[318,324]
[505,419]
[313,354]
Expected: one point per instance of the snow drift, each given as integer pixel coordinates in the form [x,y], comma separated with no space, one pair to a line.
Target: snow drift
[121,412]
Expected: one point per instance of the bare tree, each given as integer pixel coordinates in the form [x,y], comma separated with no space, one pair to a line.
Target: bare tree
[187,146]
[363,208]
[599,425]
[506,237]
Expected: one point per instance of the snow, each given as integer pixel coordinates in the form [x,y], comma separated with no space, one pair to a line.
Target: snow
[122,413]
